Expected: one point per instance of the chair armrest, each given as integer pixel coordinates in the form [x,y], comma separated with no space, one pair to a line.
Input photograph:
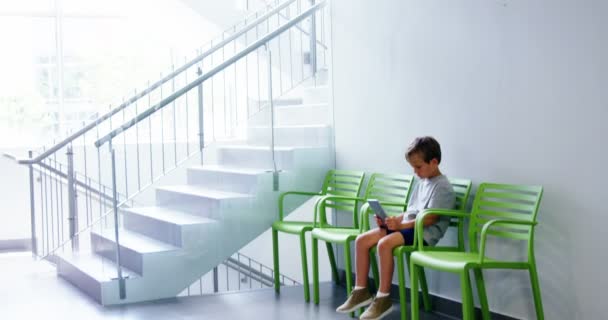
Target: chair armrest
[298,193]
[487,225]
[320,204]
[419,229]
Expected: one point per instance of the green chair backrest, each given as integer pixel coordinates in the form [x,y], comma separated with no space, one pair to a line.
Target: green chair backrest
[391,188]
[504,201]
[345,183]
[462,189]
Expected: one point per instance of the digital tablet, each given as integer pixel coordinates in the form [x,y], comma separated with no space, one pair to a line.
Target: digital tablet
[375,205]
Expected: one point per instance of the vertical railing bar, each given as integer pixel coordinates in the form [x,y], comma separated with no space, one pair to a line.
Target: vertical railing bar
[42,212]
[86,191]
[99,172]
[174,115]
[313,42]
[46,212]
[227,278]
[250,274]
[124,148]
[34,245]
[89,197]
[257,53]
[212,99]
[137,146]
[247,75]
[235,106]
[301,39]
[150,132]
[61,208]
[121,280]
[290,48]
[201,118]
[200,282]
[187,119]
[224,92]
[57,184]
[215,279]
[261,272]
[279,53]
[54,215]
[73,204]
[162,128]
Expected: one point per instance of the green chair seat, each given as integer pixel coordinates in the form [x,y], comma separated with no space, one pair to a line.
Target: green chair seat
[448,261]
[335,235]
[292,227]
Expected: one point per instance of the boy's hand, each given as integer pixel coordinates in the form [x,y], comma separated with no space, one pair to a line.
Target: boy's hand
[393,223]
[378,222]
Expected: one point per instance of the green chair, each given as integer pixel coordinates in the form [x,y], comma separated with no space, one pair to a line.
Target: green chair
[337,183]
[462,189]
[391,190]
[500,210]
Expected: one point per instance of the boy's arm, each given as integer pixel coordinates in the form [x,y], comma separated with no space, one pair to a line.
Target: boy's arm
[410,224]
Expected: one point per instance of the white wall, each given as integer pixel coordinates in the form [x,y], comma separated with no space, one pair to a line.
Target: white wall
[514,91]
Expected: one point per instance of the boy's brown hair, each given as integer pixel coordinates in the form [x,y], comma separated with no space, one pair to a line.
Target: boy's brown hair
[427,146]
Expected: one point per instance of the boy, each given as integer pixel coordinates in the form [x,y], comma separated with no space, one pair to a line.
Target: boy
[432,190]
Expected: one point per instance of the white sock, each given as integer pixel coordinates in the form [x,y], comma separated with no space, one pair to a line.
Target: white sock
[357,288]
[381,294]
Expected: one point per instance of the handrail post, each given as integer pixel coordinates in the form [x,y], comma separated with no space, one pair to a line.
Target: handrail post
[275,172]
[121,281]
[201,122]
[32,207]
[73,210]
[215,280]
[313,41]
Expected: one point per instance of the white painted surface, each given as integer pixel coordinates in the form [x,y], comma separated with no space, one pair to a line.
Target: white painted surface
[514,91]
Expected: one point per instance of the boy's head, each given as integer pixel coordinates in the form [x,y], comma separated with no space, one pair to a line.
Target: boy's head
[424,155]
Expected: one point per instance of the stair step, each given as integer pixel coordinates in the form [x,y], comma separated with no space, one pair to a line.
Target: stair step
[318,94]
[165,224]
[295,135]
[255,156]
[226,178]
[195,199]
[304,114]
[133,247]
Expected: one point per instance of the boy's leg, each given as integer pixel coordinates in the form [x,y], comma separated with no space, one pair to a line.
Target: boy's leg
[363,244]
[385,251]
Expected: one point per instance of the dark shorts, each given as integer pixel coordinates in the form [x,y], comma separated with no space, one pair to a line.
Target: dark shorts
[408,236]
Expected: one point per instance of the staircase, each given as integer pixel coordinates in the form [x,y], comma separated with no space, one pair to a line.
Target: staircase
[220,207]
[141,210]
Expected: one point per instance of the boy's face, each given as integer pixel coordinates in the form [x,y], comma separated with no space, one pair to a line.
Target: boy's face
[423,169]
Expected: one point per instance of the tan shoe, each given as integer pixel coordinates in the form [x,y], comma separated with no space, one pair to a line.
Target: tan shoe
[380,308]
[358,299]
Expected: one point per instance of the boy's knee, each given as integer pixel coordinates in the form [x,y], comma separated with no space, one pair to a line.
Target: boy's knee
[385,245]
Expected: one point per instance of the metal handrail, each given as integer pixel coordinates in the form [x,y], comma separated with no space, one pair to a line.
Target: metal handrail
[154,86]
[254,46]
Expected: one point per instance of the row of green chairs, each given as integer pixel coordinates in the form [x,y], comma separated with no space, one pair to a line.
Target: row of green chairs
[340,191]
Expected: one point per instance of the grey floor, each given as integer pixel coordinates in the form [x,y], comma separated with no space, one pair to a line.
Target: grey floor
[30,289]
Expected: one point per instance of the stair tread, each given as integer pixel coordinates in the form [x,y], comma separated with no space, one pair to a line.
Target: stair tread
[200,191]
[302,126]
[302,105]
[229,169]
[136,241]
[253,147]
[95,266]
[170,215]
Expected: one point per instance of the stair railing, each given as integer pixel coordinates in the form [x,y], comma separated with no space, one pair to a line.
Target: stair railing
[261,50]
[74,188]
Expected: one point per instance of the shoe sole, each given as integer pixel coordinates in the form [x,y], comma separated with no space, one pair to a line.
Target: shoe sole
[360,305]
[384,314]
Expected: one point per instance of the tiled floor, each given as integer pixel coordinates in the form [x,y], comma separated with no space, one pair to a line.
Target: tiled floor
[31,290]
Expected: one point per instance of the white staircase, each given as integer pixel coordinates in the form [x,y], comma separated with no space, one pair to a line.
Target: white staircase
[221,206]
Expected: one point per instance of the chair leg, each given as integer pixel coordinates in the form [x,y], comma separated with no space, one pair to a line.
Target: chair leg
[414,304]
[538,303]
[481,292]
[332,262]
[315,269]
[374,264]
[275,260]
[401,275]
[426,301]
[304,266]
[349,272]
[467,295]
